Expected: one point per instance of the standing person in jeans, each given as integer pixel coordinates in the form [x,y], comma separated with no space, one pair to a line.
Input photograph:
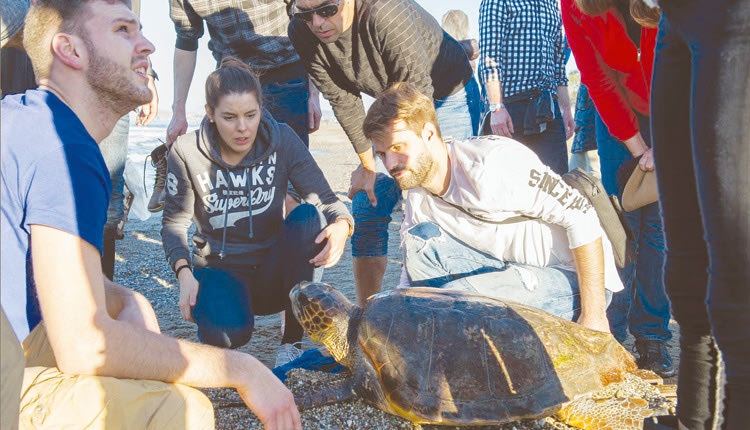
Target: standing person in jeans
[583,151]
[229,178]
[699,116]
[485,215]
[351,47]
[522,67]
[615,56]
[255,32]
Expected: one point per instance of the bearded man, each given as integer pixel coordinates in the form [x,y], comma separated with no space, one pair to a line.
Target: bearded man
[80,331]
[485,215]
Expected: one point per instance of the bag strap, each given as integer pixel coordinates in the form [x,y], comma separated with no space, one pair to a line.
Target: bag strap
[511,220]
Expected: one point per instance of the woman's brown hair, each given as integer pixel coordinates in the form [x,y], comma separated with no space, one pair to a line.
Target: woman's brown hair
[644,14]
[232,77]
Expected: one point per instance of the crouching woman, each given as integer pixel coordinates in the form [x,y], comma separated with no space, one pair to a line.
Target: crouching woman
[230,178]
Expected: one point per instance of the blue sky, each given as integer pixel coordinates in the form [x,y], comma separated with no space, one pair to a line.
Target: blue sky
[159,29]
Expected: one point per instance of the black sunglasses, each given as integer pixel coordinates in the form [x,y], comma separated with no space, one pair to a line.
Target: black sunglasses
[325,11]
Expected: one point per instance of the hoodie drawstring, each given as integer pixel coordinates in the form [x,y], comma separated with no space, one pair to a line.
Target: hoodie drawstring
[249,204]
[226,216]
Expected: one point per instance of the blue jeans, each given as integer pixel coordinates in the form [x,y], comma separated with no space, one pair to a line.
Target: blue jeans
[458,118]
[548,145]
[287,102]
[230,297]
[115,151]
[642,306]
[699,108]
[433,258]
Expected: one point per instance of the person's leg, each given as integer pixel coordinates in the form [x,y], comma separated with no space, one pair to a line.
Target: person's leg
[287,264]
[434,258]
[718,35]
[223,309]
[115,151]
[685,270]
[458,114]
[51,399]
[287,103]
[548,145]
[370,236]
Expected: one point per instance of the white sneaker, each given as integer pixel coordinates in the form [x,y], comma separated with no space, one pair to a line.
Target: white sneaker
[288,352]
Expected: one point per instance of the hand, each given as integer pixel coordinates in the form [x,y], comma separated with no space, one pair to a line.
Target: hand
[177,126]
[188,294]
[313,112]
[271,401]
[646,163]
[148,111]
[363,179]
[502,124]
[336,233]
[570,124]
[599,323]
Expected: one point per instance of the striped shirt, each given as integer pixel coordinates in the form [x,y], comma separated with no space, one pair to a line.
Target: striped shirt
[390,41]
[251,30]
[521,45]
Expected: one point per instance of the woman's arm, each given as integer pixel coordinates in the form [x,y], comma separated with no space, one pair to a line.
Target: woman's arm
[178,208]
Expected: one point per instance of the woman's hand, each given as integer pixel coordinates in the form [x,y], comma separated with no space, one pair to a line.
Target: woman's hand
[336,233]
[188,293]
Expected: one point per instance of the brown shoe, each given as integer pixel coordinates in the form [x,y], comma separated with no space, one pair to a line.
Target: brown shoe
[159,161]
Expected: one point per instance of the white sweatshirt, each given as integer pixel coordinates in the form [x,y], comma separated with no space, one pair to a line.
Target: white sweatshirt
[498,178]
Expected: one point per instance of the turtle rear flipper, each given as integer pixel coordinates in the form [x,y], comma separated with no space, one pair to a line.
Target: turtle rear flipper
[327,395]
[606,414]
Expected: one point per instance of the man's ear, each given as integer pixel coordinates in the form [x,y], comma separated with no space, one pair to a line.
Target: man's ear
[429,131]
[70,50]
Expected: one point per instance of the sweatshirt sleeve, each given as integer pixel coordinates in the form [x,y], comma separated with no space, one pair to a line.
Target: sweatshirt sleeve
[178,206]
[600,79]
[346,103]
[519,182]
[308,180]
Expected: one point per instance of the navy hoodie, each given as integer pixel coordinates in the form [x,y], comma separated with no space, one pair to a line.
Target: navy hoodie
[216,196]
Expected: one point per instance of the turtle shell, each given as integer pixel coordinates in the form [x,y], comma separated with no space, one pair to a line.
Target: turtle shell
[449,357]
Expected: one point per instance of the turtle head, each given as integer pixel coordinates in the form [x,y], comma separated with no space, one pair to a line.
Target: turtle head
[324,314]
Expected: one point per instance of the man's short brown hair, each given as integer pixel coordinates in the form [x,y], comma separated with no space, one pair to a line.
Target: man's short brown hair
[48,17]
[401,102]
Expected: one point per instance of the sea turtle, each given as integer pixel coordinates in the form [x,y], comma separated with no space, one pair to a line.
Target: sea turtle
[435,356]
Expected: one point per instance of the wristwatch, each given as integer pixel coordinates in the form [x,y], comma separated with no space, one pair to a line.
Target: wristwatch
[494,107]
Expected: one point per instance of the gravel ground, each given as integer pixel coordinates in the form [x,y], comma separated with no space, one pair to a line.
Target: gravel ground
[141,265]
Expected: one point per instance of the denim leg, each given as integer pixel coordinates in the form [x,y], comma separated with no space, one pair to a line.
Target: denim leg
[370,236]
[548,145]
[223,309]
[287,102]
[436,259]
[716,34]
[685,271]
[287,264]
[612,153]
[458,114]
[649,312]
[115,151]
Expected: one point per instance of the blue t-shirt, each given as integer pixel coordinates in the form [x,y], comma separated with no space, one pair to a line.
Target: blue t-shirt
[53,174]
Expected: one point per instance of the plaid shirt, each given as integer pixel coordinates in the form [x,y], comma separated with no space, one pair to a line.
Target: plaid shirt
[521,45]
[252,30]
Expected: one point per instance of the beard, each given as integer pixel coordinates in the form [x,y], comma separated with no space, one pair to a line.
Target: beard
[413,177]
[115,84]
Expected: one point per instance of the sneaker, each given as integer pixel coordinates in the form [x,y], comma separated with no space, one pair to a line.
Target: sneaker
[288,352]
[159,161]
[654,356]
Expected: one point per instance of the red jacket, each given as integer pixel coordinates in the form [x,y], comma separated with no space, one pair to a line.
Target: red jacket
[618,81]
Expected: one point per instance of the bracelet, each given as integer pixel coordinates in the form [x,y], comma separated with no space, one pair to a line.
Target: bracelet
[177,270]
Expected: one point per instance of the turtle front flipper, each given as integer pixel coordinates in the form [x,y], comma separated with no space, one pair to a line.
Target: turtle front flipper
[606,414]
[322,396]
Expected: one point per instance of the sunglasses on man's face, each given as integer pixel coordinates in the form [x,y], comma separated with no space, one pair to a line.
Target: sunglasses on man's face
[325,11]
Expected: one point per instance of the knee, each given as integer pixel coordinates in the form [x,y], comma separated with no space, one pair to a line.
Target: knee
[225,337]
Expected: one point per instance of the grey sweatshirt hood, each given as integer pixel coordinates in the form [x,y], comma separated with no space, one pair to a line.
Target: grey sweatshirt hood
[237,209]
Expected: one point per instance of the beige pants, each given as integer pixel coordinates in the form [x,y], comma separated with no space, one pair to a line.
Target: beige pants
[53,400]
